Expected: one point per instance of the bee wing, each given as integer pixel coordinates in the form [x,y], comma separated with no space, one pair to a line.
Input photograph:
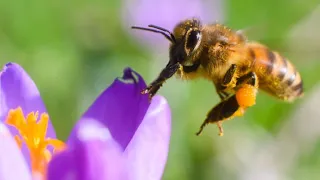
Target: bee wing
[296,44]
[254,32]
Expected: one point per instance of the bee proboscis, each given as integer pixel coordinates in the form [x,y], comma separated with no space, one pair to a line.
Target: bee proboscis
[237,67]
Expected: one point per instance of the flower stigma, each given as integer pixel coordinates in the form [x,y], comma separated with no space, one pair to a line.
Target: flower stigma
[33,134]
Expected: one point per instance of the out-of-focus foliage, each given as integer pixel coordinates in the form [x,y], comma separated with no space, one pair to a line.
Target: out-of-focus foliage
[74,49]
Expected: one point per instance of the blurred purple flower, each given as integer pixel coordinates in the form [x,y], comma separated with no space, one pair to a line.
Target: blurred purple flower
[121,136]
[166,13]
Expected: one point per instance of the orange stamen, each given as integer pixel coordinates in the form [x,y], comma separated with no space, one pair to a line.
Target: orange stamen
[33,134]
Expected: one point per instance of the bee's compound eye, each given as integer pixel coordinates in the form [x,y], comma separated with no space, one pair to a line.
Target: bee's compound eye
[193,39]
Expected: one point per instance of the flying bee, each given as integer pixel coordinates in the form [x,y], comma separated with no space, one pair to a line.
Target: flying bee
[236,67]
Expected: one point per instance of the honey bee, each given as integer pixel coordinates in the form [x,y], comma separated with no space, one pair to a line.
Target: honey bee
[236,67]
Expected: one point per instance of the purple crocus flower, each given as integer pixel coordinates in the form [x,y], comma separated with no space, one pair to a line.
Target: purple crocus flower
[121,136]
[166,13]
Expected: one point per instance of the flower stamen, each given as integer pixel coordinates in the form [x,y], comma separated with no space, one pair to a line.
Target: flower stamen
[33,134]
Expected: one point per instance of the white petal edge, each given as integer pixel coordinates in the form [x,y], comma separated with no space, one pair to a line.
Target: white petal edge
[148,150]
[12,163]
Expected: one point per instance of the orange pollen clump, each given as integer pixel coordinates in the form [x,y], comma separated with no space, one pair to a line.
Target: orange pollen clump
[33,134]
[246,96]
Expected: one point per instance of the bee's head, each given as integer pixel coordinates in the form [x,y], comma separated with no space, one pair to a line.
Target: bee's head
[188,36]
[185,38]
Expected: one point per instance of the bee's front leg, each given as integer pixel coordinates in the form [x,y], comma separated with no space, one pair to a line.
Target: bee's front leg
[165,74]
[235,105]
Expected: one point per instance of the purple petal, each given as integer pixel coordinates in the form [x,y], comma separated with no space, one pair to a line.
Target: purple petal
[121,107]
[18,89]
[148,150]
[12,163]
[93,155]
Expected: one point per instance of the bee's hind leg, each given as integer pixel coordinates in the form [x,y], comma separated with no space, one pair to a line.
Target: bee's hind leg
[234,105]
[222,94]
[224,110]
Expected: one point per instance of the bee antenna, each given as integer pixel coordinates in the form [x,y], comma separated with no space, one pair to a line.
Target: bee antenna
[165,30]
[156,31]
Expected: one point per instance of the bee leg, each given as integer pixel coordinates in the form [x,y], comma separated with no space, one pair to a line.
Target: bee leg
[223,95]
[250,78]
[224,110]
[229,76]
[219,124]
[227,80]
[235,105]
[165,74]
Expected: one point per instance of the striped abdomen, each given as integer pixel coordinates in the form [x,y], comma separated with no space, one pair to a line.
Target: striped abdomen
[277,75]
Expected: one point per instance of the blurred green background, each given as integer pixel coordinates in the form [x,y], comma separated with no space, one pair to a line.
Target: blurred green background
[74,49]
